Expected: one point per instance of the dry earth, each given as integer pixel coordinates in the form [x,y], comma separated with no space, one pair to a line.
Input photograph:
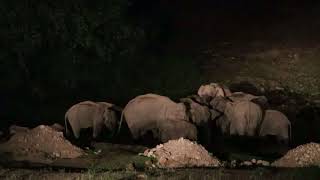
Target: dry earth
[182,153]
[42,143]
[302,156]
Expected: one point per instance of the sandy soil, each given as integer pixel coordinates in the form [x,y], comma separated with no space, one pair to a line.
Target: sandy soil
[42,143]
[301,156]
[182,153]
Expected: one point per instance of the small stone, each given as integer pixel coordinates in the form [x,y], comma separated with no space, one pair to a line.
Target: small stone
[265,163]
[130,167]
[56,154]
[233,163]
[97,152]
[148,163]
[254,161]
[141,176]
[247,163]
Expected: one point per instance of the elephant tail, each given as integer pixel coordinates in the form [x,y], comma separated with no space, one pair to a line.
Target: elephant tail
[290,134]
[67,125]
[120,123]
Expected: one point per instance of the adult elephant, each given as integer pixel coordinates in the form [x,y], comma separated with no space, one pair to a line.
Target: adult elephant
[158,115]
[89,114]
[262,101]
[276,124]
[241,118]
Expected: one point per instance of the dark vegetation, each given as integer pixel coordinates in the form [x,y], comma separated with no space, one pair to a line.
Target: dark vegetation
[54,54]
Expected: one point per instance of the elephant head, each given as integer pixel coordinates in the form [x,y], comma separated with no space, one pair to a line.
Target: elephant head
[111,116]
[198,114]
[219,103]
[212,90]
[275,123]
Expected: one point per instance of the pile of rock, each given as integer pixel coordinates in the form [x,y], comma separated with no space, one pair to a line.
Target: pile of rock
[42,142]
[182,153]
[302,156]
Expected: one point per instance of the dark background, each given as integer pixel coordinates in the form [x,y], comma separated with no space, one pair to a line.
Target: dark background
[55,54]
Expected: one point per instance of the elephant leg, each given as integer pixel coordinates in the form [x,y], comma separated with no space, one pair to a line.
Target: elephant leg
[97,129]
[76,133]
[236,129]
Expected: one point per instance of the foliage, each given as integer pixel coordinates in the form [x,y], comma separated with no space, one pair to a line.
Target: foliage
[54,54]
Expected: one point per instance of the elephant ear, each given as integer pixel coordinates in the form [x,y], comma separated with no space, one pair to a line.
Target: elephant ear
[198,99]
[214,114]
[110,119]
[116,108]
[187,104]
[219,103]
[186,100]
[262,101]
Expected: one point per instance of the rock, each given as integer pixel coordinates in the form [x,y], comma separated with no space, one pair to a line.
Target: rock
[97,152]
[17,129]
[263,163]
[233,163]
[130,167]
[57,127]
[247,163]
[254,161]
[141,176]
[56,154]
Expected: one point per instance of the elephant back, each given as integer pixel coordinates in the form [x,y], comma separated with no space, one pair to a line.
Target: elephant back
[83,113]
[246,118]
[262,101]
[275,123]
[141,114]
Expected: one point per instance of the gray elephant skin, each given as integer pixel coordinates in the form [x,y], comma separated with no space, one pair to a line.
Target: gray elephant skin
[275,123]
[262,101]
[241,118]
[89,114]
[161,116]
[212,90]
[197,113]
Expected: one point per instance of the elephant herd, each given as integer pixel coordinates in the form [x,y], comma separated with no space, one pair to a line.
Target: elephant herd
[214,107]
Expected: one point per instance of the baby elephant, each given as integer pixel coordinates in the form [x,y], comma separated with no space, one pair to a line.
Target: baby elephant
[275,123]
[95,115]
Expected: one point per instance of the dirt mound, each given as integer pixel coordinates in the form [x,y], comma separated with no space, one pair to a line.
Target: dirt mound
[301,156]
[182,153]
[42,142]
